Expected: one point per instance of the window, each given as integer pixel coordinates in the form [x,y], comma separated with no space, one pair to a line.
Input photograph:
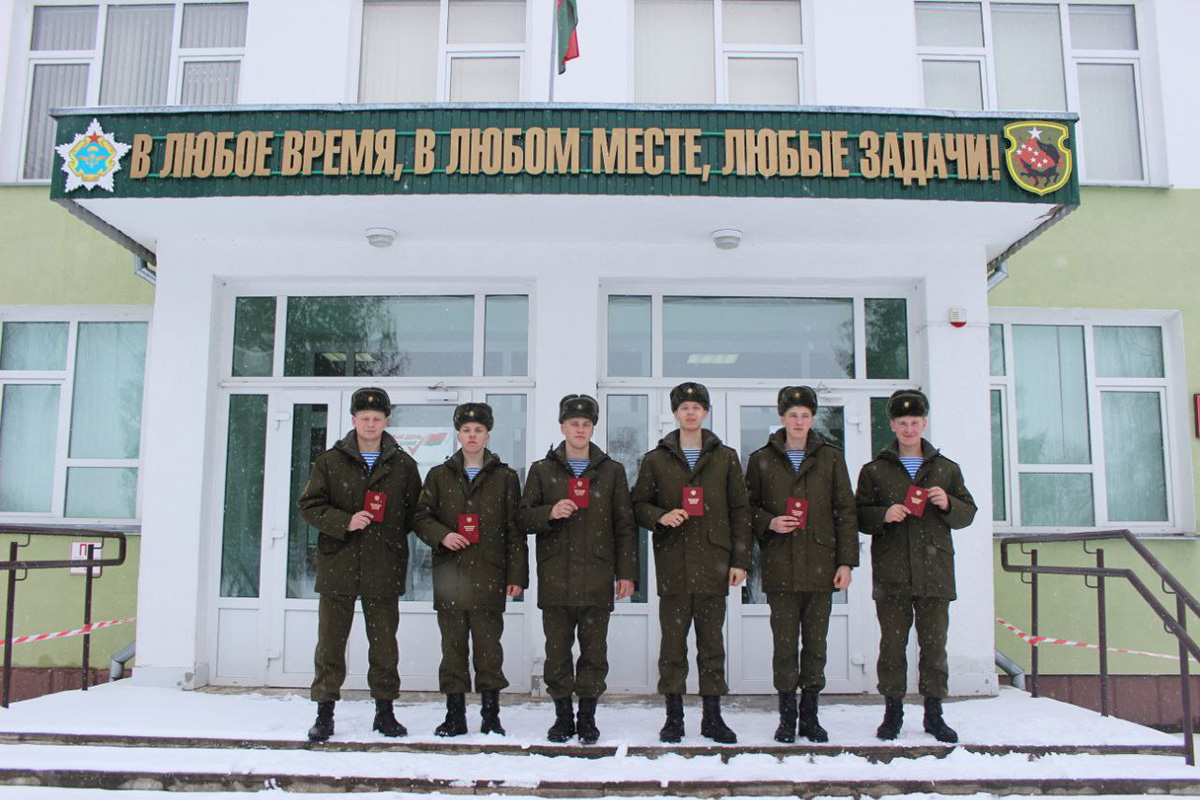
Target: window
[1050,56]
[1081,423]
[393,336]
[755,337]
[115,54]
[756,59]
[70,417]
[416,51]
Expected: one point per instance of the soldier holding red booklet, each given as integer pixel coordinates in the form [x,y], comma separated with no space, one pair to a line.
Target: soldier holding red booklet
[909,500]
[468,516]
[361,496]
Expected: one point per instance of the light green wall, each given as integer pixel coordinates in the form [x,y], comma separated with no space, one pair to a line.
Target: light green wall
[48,257]
[1126,249]
[52,258]
[52,600]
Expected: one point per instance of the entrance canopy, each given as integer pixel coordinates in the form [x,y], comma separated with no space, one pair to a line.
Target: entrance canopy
[563,173]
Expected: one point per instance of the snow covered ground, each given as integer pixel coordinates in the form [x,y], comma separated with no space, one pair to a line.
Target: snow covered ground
[1012,718]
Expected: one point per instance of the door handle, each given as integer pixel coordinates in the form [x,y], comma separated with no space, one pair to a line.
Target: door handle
[281,417]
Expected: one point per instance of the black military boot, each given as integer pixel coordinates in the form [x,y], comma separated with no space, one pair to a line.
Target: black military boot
[810,727]
[322,729]
[672,729]
[564,721]
[491,712]
[711,724]
[935,724]
[893,718]
[585,723]
[455,723]
[786,732]
[385,720]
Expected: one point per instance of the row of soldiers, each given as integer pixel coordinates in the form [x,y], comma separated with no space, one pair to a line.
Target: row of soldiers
[364,496]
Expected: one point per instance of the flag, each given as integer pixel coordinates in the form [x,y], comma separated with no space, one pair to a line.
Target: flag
[568,40]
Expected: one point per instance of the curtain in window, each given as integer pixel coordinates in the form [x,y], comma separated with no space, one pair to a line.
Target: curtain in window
[1095,27]
[64,28]
[33,345]
[1136,482]
[28,436]
[760,22]
[214,25]
[399,52]
[1108,113]
[673,52]
[210,83]
[486,22]
[107,410]
[478,80]
[1027,41]
[137,55]
[953,84]
[54,86]
[769,81]
[102,492]
[949,25]
[1052,409]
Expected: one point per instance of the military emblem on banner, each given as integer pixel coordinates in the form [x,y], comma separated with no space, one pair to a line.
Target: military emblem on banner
[1038,157]
[91,158]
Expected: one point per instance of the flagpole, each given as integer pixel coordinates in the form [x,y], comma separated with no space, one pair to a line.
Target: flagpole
[553,47]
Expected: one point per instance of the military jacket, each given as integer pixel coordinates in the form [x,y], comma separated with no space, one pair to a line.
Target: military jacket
[372,562]
[579,557]
[695,557]
[804,560]
[915,557]
[476,576]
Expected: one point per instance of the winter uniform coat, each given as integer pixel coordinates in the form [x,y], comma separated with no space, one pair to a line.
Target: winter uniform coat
[372,562]
[579,557]
[695,558]
[915,557]
[804,560]
[476,576]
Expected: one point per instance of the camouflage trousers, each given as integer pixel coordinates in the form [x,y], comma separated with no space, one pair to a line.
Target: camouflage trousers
[335,615]
[896,616]
[562,624]
[799,628]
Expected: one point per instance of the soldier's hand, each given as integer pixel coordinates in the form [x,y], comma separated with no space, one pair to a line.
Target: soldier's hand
[454,541]
[624,589]
[841,578]
[736,576]
[674,518]
[563,509]
[784,524]
[938,496]
[896,513]
[513,590]
[359,521]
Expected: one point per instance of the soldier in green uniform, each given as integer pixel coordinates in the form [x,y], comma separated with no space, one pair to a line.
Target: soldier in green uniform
[807,530]
[576,502]
[361,554]
[909,500]
[467,515]
[690,492]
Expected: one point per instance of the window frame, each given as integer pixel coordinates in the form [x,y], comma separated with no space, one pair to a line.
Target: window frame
[94,59]
[723,53]
[447,53]
[65,379]
[1142,60]
[1176,428]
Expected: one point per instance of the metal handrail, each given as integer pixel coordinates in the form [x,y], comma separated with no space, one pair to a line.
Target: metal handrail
[1175,625]
[14,565]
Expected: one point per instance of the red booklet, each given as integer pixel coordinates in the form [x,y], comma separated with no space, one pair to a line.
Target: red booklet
[798,507]
[375,504]
[693,501]
[579,491]
[468,527]
[915,500]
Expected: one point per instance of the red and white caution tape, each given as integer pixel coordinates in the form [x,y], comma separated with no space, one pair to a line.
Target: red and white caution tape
[89,628]
[1037,641]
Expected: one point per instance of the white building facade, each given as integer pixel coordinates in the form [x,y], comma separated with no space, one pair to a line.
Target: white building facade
[520,286]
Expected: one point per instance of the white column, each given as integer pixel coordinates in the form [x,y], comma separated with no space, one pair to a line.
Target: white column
[960,425]
[172,581]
